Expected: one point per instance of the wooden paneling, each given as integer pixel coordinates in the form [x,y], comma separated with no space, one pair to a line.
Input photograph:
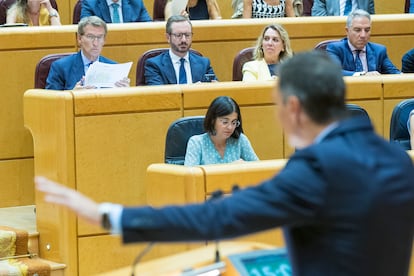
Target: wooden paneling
[16,178]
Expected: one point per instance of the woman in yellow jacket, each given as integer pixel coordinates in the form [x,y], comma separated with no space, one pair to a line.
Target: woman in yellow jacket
[33,13]
[272,47]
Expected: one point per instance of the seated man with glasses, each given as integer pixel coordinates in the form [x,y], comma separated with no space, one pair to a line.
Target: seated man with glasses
[69,72]
[224,141]
[178,65]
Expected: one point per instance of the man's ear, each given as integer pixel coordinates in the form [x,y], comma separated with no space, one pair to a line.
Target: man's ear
[294,108]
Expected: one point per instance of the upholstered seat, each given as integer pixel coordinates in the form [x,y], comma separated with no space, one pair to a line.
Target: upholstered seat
[307,7]
[6,4]
[43,68]
[77,12]
[356,110]
[178,135]
[140,77]
[240,59]
[398,126]
[323,44]
[158,10]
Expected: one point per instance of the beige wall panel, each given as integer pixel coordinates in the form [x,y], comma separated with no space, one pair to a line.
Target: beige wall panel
[264,131]
[116,150]
[374,109]
[16,178]
[102,253]
[128,100]
[398,86]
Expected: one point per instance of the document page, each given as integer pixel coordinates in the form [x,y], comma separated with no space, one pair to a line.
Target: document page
[103,75]
[177,6]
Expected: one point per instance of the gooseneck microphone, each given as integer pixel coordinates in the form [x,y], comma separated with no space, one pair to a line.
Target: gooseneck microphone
[139,257]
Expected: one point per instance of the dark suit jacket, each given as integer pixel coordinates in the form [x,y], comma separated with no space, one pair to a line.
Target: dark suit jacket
[66,72]
[346,204]
[160,70]
[377,58]
[331,7]
[408,62]
[132,10]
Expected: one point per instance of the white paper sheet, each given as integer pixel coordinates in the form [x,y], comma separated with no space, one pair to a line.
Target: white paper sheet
[177,6]
[101,74]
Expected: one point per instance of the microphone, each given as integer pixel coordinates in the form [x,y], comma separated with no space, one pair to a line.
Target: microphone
[215,196]
[139,257]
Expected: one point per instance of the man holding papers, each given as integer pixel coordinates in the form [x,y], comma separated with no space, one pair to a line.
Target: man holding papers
[69,72]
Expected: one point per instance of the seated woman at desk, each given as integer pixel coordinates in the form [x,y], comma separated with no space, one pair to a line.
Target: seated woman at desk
[224,141]
[33,13]
[196,10]
[272,47]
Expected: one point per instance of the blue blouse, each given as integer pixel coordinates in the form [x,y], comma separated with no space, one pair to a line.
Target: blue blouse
[201,151]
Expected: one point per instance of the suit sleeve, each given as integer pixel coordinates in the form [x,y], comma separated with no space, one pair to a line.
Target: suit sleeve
[387,67]
[408,62]
[337,56]
[209,70]
[152,73]
[86,9]
[55,79]
[286,198]
[319,8]
[143,15]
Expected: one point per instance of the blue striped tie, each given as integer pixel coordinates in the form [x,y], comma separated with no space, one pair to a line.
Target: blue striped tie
[348,7]
[358,63]
[116,18]
[182,76]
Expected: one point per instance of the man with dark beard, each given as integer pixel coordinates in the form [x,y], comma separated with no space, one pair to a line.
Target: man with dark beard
[178,65]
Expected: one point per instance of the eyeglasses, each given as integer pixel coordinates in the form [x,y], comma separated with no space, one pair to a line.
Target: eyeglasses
[92,38]
[181,35]
[226,122]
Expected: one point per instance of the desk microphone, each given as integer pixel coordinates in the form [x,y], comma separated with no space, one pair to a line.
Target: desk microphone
[139,257]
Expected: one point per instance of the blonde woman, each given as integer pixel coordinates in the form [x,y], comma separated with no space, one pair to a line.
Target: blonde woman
[272,47]
[33,13]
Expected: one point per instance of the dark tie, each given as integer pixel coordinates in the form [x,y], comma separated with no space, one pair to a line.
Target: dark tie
[116,19]
[87,66]
[348,7]
[182,77]
[358,63]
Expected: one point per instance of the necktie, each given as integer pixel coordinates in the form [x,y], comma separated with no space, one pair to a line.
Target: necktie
[348,7]
[115,18]
[87,66]
[358,63]
[182,76]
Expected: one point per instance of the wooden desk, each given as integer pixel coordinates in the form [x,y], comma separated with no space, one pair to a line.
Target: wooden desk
[172,265]
[101,143]
[220,40]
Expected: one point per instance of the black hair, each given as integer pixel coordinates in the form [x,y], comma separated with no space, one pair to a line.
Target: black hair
[219,107]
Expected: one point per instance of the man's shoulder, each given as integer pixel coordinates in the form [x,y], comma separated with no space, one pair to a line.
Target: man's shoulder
[337,44]
[158,58]
[193,55]
[107,60]
[136,2]
[376,46]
